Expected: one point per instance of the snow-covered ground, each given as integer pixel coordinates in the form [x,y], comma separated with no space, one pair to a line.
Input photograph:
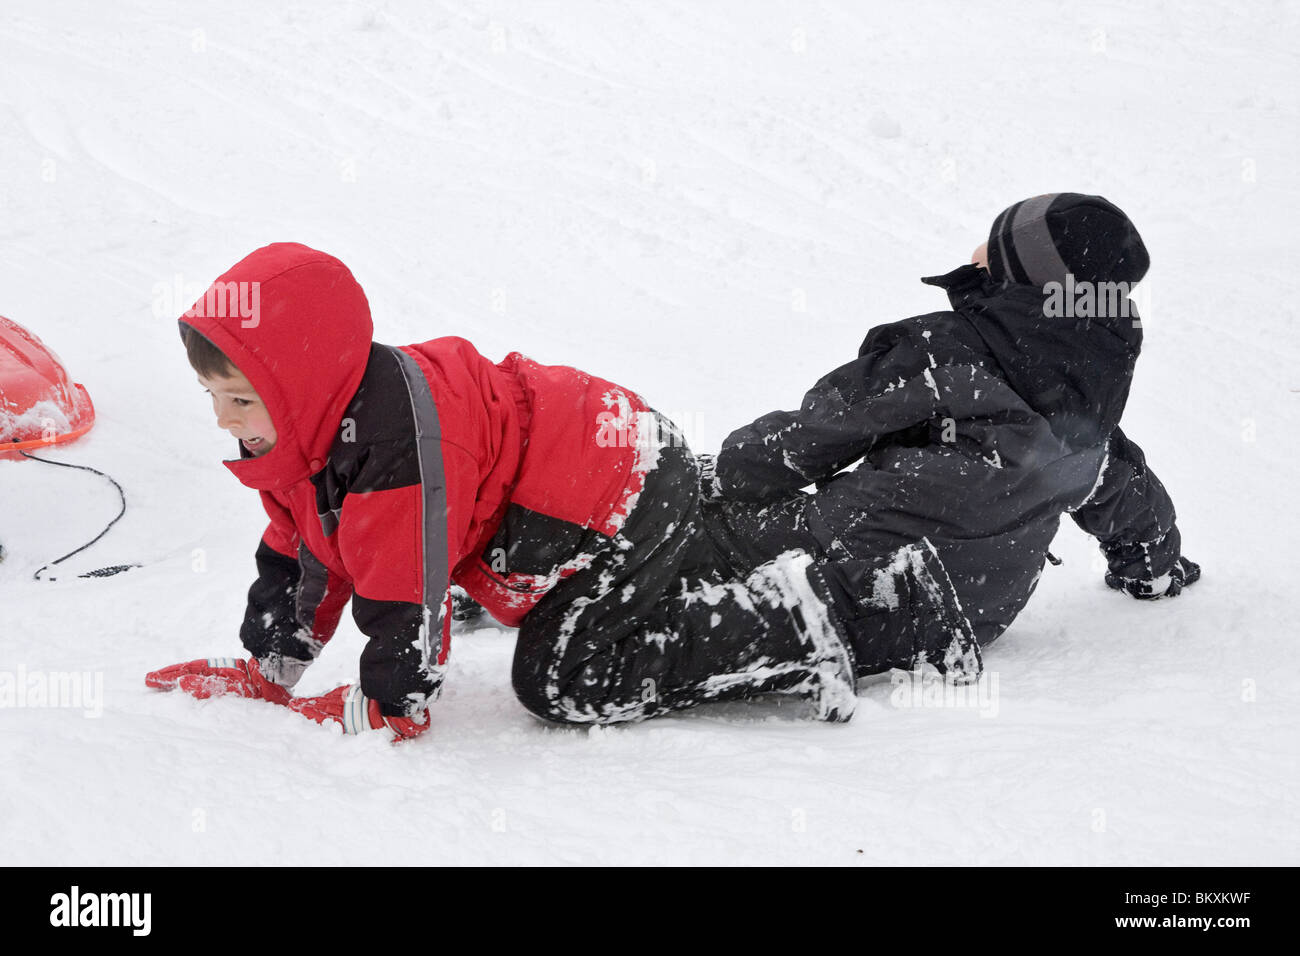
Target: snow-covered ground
[709,204]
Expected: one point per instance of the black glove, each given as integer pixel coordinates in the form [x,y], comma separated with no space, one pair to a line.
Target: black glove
[710,489]
[1183,573]
[463,607]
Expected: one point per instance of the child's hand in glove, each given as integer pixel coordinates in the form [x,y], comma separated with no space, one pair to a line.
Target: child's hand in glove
[464,607]
[217,676]
[1182,574]
[356,713]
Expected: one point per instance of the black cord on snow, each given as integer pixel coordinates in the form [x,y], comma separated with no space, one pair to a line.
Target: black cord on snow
[98,572]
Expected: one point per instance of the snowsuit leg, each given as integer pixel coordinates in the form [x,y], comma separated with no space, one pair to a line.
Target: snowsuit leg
[904,612]
[746,534]
[900,609]
[651,624]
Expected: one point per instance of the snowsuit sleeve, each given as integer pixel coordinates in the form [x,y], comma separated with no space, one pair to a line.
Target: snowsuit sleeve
[841,417]
[1131,514]
[295,603]
[402,529]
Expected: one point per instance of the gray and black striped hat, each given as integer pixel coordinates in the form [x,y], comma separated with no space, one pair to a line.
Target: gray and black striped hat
[1039,240]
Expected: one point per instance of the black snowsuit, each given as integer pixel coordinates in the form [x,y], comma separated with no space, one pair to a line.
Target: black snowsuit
[648,622]
[657,620]
[974,428]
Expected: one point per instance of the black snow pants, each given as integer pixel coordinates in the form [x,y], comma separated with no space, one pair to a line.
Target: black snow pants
[899,609]
[652,623]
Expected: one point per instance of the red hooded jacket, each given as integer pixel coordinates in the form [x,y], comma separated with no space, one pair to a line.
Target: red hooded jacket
[398,470]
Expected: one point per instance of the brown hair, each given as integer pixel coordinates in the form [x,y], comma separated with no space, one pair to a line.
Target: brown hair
[205,358]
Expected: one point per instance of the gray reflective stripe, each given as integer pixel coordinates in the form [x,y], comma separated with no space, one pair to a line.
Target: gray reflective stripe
[1033,241]
[433,492]
[312,586]
[329,521]
[999,230]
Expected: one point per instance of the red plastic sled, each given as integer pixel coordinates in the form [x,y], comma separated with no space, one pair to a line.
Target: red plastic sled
[39,404]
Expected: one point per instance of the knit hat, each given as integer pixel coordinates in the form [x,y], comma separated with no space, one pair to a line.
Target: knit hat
[1039,240]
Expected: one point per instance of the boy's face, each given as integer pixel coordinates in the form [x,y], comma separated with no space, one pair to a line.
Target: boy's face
[240,411]
[980,256]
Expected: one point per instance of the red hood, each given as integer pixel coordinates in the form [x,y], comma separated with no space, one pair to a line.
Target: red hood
[302,338]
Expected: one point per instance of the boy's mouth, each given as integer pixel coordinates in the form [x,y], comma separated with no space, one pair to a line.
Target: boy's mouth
[254,444]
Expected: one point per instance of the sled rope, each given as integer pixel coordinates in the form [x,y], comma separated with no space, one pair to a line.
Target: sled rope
[98,572]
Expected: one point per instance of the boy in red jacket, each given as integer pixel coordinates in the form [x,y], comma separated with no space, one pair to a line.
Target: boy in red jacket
[559,501]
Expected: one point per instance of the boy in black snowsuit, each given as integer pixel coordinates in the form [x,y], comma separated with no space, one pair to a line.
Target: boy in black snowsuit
[973,430]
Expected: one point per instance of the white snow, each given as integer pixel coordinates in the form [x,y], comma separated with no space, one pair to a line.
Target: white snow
[46,419]
[707,204]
